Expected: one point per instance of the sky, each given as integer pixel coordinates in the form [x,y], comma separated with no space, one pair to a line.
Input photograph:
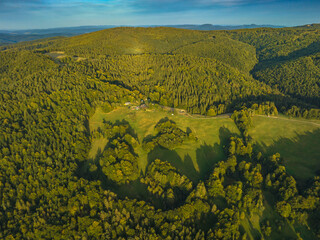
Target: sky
[33,14]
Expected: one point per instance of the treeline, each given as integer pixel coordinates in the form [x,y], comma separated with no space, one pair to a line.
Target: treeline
[243,117]
[199,85]
[305,113]
[299,78]
[278,43]
[245,181]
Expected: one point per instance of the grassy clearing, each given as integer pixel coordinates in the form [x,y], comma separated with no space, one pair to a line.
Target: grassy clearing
[195,159]
[281,229]
[57,54]
[296,140]
[252,227]
[61,54]
[97,146]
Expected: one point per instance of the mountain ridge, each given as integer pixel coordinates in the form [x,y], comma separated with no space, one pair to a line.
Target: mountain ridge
[16,36]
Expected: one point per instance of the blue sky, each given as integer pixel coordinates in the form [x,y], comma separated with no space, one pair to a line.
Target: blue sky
[29,14]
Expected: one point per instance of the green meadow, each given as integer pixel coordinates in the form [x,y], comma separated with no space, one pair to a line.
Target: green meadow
[296,140]
[195,159]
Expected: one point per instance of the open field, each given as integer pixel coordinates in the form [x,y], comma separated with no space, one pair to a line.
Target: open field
[296,140]
[195,159]
[60,55]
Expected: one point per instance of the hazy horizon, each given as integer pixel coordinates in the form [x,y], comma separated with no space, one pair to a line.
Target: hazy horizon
[44,14]
[161,25]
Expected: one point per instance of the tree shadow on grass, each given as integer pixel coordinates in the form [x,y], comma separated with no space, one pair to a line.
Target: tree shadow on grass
[148,138]
[209,155]
[225,135]
[206,157]
[184,166]
[122,122]
[84,167]
[92,171]
[165,119]
[300,154]
[133,190]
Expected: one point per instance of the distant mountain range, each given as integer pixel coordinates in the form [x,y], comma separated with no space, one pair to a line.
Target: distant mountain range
[209,27]
[15,36]
[65,31]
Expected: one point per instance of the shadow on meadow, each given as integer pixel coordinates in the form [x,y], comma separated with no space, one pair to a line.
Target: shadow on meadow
[184,166]
[207,156]
[301,154]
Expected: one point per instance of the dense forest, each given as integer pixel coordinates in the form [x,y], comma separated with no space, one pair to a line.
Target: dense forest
[49,90]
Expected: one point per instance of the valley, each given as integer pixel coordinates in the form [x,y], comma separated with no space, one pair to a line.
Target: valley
[161,133]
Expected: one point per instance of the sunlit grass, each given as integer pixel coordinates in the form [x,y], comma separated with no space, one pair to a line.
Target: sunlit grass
[296,140]
[195,159]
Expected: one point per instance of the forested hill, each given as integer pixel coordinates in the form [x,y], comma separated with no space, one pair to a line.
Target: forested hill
[15,36]
[280,65]
[97,140]
[288,59]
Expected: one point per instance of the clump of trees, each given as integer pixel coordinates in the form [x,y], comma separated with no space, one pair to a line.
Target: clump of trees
[290,203]
[265,108]
[243,120]
[164,181]
[168,136]
[119,162]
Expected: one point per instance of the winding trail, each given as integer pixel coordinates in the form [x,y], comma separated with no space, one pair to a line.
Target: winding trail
[183,112]
[228,115]
[290,119]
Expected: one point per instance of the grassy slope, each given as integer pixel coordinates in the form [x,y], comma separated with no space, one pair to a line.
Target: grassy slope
[287,59]
[195,159]
[296,140]
[290,137]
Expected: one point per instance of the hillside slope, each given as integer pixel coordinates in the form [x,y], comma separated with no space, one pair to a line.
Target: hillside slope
[288,59]
[93,146]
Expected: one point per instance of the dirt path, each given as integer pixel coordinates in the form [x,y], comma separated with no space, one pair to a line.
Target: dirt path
[196,116]
[228,115]
[290,119]
[183,112]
